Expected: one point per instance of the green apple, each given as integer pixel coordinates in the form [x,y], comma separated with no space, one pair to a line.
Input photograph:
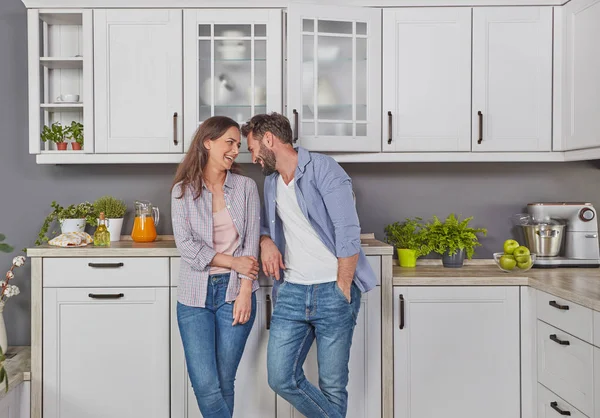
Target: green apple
[526,264]
[507,262]
[521,254]
[510,245]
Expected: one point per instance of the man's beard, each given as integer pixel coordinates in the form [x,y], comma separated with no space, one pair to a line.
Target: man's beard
[268,158]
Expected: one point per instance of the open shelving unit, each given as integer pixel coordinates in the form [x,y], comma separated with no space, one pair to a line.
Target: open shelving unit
[60,63]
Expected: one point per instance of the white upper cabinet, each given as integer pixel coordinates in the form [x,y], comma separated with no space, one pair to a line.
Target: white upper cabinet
[138,80]
[512,79]
[334,77]
[232,65]
[427,79]
[580,65]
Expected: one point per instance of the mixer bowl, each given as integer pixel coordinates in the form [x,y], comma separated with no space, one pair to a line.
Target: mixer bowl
[544,239]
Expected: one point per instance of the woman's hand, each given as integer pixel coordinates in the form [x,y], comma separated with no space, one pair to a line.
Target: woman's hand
[242,306]
[246,265]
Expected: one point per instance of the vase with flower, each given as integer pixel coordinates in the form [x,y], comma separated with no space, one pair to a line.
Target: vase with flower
[7,290]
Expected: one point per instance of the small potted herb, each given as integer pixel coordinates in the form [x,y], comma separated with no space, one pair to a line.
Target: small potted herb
[73,218]
[453,239]
[57,134]
[114,210]
[410,239]
[75,132]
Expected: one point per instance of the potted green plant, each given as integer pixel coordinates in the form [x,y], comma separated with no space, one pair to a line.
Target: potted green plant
[410,239]
[75,132]
[56,133]
[453,239]
[73,218]
[114,210]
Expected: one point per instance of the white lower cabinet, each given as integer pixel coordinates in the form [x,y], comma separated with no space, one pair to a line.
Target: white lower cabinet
[15,404]
[597,381]
[253,397]
[456,352]
[364,387]
[552,406]
[106,352]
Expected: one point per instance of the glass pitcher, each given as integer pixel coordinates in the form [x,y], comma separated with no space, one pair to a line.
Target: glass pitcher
[146,219]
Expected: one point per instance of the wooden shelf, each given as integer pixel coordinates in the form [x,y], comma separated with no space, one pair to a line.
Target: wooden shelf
[57,62]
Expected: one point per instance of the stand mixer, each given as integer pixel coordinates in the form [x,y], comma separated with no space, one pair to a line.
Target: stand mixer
[563,234]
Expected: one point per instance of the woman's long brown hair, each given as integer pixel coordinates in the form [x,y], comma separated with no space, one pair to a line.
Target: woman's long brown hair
[191,169]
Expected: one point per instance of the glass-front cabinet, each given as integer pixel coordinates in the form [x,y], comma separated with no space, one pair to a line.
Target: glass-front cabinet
[334,77]
[232,65]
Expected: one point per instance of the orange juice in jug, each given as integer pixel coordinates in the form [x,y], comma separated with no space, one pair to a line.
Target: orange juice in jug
[144,224]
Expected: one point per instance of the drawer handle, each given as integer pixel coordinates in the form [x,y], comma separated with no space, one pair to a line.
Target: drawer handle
[269,310]
[554,338]
[401,298]
[106,265]
[106,295]
[554,405]
[557,306]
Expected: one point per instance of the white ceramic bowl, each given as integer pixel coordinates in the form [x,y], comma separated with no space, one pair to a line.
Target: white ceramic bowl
[516,269]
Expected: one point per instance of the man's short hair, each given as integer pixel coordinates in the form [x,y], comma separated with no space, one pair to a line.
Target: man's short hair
[275,123]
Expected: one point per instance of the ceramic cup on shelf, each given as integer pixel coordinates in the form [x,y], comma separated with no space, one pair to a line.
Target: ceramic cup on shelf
[68,98]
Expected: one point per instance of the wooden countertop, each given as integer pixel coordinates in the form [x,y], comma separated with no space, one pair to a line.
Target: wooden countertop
[578,285]
[164,247]
[18,367]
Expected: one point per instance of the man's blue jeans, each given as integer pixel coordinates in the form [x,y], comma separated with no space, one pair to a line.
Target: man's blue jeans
[301,314]
[213,348]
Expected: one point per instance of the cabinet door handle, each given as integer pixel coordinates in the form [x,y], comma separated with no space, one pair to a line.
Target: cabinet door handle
[175,141]
[106,295]
[480,115]
[389,126]
[269,309]
[554,405]
[557,306]
[295,125]
[554,338]
[401,311]
[106,265]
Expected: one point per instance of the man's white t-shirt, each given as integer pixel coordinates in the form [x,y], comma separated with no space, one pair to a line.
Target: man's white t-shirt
[307,260]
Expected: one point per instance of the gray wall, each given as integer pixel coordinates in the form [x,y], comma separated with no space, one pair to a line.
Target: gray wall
[385,192]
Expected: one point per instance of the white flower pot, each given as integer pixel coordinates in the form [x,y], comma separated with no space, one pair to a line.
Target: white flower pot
[114,227]
[72,225]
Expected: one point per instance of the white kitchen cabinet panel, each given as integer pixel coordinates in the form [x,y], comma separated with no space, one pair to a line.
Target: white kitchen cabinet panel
[552,406]
[334,77]
[581,65]
[232,65]
[138,80]
[512,79]
[427,79]
[253,396]
[565,366]
[456,352]
[597,381]
[106,352]
[364,386]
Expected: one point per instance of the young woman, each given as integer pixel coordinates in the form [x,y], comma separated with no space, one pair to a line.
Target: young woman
[216,223]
